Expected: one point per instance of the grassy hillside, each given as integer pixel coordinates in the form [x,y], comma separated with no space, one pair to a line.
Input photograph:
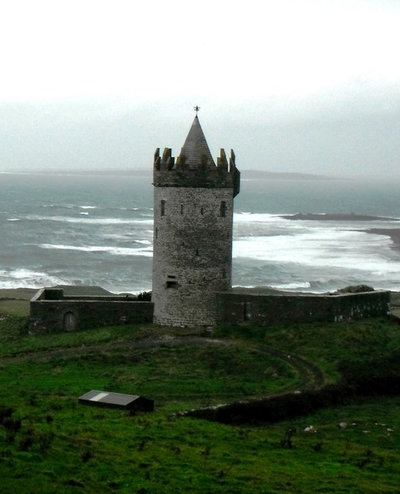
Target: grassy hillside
[51,443]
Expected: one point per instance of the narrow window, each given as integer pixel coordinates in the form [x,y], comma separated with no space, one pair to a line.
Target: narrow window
[245,312]
[197,252]
[163,208]
[202,211]
[222,209]
[181,208]
[156,232]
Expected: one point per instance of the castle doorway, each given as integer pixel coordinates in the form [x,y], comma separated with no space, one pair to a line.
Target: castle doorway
[70,321]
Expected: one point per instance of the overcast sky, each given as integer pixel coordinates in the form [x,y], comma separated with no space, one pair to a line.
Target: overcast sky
[292,85]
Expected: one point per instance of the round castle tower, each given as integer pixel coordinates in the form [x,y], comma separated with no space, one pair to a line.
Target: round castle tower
[193,216]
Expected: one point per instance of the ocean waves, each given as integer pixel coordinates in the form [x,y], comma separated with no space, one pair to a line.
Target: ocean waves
[117,251]
[316,255]
[26,278]
[80,231]
[90,220]
[320,248]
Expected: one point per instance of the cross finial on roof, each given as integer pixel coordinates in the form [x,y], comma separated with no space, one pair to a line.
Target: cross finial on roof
[196,109]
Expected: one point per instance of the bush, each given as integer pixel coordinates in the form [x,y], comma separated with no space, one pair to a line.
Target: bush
[377,376]
[144,297]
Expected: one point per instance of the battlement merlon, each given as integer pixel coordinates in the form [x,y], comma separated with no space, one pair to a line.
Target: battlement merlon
[222,162]
[169,172]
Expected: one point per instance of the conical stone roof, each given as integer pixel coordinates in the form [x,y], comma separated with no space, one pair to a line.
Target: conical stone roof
[195,150]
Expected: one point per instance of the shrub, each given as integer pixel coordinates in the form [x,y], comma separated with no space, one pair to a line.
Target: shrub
[144,297]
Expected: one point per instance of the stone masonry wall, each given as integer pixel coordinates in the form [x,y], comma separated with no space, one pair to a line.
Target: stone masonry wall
[192,253]
[233,308]
[72,313]
[237,308]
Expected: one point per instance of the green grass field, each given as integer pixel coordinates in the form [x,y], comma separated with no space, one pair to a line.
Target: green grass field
[51,443]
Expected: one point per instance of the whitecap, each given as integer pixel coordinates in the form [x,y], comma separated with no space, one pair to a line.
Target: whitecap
[26,278]
[246,217]
[91,221]
[295,286]
[324,248]
[118,251]
[22,273]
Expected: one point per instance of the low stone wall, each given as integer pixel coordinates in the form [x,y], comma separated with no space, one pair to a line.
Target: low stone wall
[273,408]
[292,404]
[50,311]
[245,308]
[359,379]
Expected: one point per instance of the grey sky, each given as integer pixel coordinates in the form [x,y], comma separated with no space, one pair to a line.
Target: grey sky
[300,86]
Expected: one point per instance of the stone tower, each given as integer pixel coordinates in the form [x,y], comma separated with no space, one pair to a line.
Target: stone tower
[193,215]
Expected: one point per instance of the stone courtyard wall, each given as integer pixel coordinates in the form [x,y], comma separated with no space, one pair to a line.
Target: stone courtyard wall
[244,308]
[53,312]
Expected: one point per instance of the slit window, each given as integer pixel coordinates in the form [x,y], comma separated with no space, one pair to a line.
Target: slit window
[181,208]
[222,209]
[163,207]
[246,315]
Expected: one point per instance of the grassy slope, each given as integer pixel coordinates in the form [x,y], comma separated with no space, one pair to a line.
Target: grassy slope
[16,301]
[66,447]
[327,345]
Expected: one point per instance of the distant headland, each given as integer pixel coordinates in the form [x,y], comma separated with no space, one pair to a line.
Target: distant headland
[246,174]
[336,217]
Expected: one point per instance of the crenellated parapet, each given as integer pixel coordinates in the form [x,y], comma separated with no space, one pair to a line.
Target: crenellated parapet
[164,163]
[169,172]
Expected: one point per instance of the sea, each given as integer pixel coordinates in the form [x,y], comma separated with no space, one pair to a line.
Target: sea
[81,229]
